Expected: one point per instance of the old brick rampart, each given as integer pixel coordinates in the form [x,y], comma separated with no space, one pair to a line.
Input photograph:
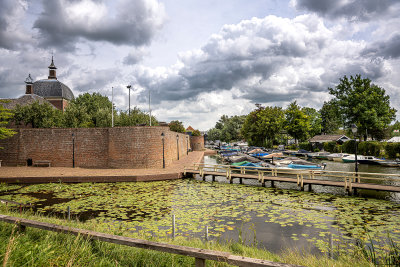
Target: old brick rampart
[197,143]
[118,147]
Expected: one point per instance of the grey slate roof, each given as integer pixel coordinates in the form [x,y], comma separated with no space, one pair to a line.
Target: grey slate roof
[23,101]
[52,88]
[328,138]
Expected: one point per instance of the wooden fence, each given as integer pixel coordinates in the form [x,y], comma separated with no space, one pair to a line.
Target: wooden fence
[200,255]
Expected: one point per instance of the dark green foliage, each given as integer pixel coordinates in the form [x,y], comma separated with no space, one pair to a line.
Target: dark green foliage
[227,129]
[196,133]
[349,147]
[297,124]
[330,146]
[306,146]
[330,117]
[372,148]
[262,126]
[38,115]
[137,117]
[176,126]
[393,150]
[364,104]
[88,110]
[5,116]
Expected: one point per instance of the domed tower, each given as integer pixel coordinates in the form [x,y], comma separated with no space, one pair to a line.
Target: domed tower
[52,70]
[53,90]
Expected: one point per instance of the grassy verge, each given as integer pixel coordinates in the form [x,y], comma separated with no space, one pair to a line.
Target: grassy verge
[35,247]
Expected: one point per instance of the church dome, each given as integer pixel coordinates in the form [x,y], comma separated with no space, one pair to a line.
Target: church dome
[52,88]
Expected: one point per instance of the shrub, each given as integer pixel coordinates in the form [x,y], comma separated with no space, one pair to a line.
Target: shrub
[306,146]
[329,146]
[348,147]
[371,148]
[392,150]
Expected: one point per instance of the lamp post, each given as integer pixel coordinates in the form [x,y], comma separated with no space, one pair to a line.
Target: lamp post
[73,150]
[177,145]
[187,145]
[354,130]
[163,158]
[129,88]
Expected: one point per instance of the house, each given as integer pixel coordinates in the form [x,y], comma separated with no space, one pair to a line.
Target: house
[189,130]
[319,140]
[49,90]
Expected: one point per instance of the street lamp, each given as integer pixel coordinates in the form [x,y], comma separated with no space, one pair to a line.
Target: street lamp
[177,145]
[187,145]
[129,88]
[73,150]
[354,130]
[163,158]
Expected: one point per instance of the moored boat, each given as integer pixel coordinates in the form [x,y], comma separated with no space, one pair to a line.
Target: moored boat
[369,160]
[389,163]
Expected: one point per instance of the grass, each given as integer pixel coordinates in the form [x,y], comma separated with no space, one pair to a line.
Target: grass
[34,247]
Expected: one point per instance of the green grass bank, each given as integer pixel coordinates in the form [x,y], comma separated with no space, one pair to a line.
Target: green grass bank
[35,247]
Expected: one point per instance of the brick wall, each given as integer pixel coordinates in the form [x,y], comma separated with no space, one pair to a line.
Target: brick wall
[197,143]
[118,147]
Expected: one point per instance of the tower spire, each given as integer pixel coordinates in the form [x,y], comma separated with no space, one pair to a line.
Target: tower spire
[52,69]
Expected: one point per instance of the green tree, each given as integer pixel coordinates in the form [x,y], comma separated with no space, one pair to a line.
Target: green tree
[5,116]
[38,115]
[297,123]
[364,104]
[263,124]
[196,133]
[214,134]
[315,120]
[330,117]
[137,117]
[176,126]
[88,110]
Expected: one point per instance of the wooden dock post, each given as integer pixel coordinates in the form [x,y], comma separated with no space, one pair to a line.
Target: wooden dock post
[199,262]
[272,184]
[204,177]
[173,226]
[241,180]
[309,187]
[213,178]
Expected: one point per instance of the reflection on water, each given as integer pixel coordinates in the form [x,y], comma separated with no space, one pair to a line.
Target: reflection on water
[274,218]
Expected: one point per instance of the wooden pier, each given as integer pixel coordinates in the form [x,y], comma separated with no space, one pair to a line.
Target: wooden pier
[349,181]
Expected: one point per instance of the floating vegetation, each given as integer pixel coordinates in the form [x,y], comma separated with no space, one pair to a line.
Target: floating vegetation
[147,207]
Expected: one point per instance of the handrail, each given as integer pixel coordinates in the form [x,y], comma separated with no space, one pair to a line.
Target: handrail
[200,255]
[348,178]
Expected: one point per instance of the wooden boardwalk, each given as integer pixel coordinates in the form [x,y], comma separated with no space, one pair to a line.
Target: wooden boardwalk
[350,181]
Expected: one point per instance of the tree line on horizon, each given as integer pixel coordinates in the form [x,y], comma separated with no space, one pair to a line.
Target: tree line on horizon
[85,111]
[356,100]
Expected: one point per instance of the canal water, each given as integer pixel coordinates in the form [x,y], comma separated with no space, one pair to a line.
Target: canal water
[272,218]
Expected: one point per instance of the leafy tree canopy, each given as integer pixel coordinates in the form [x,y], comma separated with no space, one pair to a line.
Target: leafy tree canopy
[177,126]
[227,129]
[330,117]
[5,116]
[263,124]
[364,104]
[38,115]
[196,133]
[297,123]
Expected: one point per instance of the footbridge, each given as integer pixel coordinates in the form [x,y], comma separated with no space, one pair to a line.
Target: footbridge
[349,181]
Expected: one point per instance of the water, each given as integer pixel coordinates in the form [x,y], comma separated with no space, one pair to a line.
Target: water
[271,218]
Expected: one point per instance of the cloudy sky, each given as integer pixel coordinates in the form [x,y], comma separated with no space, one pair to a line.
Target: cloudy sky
[201,59]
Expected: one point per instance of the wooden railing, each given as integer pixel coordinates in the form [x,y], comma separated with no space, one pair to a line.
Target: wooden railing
[348,178]
[200,255]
